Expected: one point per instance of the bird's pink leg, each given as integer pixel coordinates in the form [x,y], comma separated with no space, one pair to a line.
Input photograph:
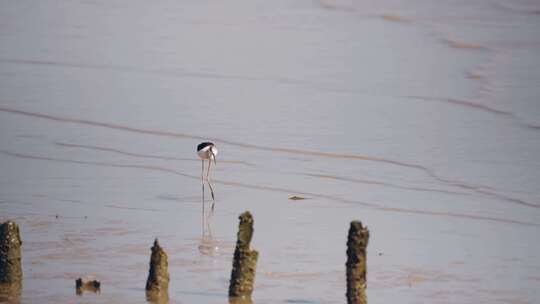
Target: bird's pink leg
[208,172]
[202,184]
[209,184]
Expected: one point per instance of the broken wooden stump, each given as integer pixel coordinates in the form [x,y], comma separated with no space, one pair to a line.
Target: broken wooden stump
[356,263]
[10,261]
[157,284]
[87,285]
[245,260]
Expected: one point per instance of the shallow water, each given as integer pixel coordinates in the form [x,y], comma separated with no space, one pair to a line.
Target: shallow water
[420,119]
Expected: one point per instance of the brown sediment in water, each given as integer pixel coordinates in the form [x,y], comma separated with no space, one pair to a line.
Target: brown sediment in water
[463,45]
[490,192]
[475,189]
[244,261]
[131,208]
[411,276]
[140,155]
[40,224]
[464,103]
[477,106]
[132,249]
[98,124]
[117,151]
[475,75]
[283,190]
[458,215]
[379,183]
[180,199]
[176,172]
[507,8]
[118,231]
[471,104]
[426,170]
[289,275]
[395,18]
[534,127]
[332,5]
[176,73]
[184,135]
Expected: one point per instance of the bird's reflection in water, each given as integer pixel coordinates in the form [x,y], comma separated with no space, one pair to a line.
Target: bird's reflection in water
[208,245]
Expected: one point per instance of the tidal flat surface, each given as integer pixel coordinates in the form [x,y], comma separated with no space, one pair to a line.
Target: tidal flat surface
[419,118]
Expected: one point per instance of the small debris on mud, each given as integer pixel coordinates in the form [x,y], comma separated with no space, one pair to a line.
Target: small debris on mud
[89,285]
[296,198]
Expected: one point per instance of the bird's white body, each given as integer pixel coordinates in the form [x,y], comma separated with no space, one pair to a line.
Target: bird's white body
[208,152]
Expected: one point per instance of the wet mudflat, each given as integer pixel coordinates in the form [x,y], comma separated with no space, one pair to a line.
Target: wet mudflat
[420,119]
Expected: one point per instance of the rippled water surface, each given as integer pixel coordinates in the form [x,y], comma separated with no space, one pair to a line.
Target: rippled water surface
[419,118]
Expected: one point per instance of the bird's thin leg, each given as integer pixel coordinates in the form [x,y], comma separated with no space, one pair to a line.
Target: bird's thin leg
[208,219]
[202,183]
[208,172]
[213,198]
[209,184]
[202,215]
[208,225]
[211,190]
[202,171]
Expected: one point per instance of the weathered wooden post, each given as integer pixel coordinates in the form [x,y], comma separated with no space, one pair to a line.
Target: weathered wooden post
[356,263]
[245,260]
[157,284]
[10,261]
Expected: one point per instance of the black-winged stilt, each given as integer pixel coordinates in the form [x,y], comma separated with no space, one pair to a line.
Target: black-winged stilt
[207,150]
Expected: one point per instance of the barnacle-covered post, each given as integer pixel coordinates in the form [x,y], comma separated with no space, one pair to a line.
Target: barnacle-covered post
[10,261]
[245,260]
[356,263]
[157,284]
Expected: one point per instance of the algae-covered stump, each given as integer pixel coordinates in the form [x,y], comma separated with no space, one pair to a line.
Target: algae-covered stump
[356,263]
[245,260]
[157,284]
[10,256]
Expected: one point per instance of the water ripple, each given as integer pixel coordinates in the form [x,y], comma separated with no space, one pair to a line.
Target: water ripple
[454,183]
[281,190]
